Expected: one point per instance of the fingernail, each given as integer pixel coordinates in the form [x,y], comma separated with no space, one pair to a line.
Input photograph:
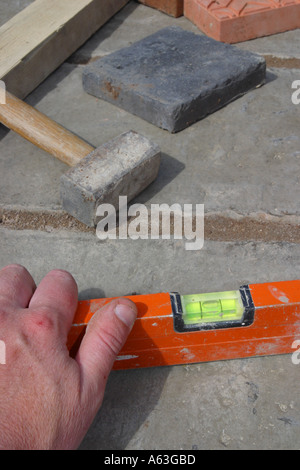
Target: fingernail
[126,314]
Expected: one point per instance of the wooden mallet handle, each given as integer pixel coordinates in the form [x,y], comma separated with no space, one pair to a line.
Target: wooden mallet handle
[43,131]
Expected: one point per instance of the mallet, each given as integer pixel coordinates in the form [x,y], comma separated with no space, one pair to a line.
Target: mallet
[124,166]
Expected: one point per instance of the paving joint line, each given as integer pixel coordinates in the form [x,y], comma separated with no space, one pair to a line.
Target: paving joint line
[282,62]
[226,226]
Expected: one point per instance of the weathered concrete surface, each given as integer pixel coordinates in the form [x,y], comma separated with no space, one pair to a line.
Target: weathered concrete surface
[240,404]
[174,78]
[230,160]
[243,159]
[279,45]
[123,31]
[146,266]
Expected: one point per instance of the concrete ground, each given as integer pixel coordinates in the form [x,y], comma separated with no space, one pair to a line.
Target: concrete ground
[242,162]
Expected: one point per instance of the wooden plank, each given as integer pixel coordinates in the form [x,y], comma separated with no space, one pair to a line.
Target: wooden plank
[42,36]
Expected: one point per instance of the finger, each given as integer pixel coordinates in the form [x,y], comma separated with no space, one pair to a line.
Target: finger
[57,293]
[105,335]
[16,286]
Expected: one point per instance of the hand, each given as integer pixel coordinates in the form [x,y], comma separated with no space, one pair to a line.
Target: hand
[47,399]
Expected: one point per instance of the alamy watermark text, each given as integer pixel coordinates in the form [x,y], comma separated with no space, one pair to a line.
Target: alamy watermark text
[160,221]
[296,93]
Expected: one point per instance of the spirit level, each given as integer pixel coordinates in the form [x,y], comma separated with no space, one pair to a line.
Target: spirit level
[256,320]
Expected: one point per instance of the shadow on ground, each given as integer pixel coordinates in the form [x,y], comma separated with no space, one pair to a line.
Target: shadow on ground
[130,397]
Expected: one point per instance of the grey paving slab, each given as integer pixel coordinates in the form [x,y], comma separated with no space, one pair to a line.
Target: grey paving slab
[279,45]
[245,157]
[242,158]
[238,404]
[148,265]
[174,77]
[124,30]
[132,23]
[227,405]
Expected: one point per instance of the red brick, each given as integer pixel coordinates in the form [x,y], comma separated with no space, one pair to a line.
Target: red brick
[234,21]
[171,7]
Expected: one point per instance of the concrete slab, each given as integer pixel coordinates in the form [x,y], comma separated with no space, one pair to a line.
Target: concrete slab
[174,78]
[282,45]
[162,265]
[241,160]
[240,404]
[230,160]
[122,31]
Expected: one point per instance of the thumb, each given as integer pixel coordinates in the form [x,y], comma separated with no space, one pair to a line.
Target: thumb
[105,335]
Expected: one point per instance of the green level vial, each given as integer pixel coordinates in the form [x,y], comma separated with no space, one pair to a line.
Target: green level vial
[212,307]
[213,310]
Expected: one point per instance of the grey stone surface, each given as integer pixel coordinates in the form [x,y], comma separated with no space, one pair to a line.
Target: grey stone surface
[243,158]
[282,45]
[120,267]
[174,78]
[238,404]
[122,167]
[131,24]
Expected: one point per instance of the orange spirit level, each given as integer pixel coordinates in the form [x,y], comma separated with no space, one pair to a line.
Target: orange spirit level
[256,320]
